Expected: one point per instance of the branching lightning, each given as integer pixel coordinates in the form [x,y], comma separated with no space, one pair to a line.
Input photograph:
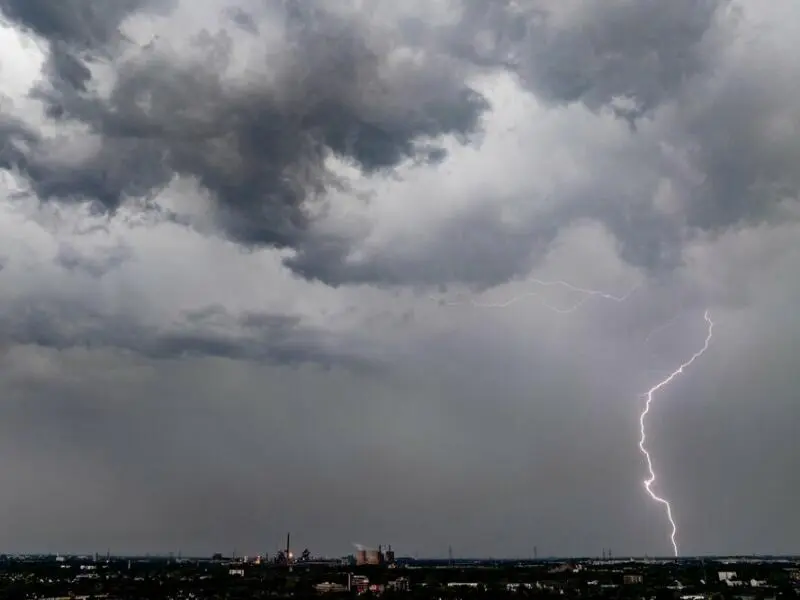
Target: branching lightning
[648,483]
[586,294]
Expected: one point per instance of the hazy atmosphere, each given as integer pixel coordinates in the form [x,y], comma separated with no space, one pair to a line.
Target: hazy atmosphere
[246,249]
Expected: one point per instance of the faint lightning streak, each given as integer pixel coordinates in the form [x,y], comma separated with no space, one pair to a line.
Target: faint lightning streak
[587,291]
[587,294]
[648,483]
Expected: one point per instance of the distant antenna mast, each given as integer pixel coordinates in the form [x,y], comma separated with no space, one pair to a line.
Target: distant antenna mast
[450,555]
[535,553]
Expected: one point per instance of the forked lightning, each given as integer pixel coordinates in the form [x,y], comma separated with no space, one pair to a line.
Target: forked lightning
[586,295]
[648,483]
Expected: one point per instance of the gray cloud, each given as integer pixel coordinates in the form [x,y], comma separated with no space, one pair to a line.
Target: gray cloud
[75,31]
[209,332]
[221,223]
[701,115]
[259,148]
[72,22]
[336,88]
[597,51]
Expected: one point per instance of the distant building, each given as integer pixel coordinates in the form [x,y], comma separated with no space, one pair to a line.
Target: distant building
[358,583]
[327,587]
[633,579]
[729,578]
[401,584]
[369,556]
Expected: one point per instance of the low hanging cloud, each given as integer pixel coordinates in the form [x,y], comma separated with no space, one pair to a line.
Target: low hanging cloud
[77,280]
[209,332]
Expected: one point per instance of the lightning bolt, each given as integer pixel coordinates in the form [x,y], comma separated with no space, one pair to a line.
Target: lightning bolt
[648,483]
[587,294]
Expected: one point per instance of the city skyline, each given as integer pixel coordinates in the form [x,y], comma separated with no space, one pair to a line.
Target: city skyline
[401,272]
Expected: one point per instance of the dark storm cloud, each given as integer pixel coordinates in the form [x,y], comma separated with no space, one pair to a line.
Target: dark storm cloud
[652,53]
[80,24]
[647,53]
[75,29]
[642,50]
[259,149]
[63,65]
[665,68]
[211,332]
[13,136]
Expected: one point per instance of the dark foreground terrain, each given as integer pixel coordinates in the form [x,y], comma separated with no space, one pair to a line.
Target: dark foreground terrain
[199,579]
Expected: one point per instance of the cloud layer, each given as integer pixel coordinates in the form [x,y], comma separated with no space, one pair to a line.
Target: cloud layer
[276,218]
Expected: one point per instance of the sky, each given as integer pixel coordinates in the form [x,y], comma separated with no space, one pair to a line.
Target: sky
[246,250]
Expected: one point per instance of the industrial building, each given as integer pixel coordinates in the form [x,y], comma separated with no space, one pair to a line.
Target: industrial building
[371,556]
